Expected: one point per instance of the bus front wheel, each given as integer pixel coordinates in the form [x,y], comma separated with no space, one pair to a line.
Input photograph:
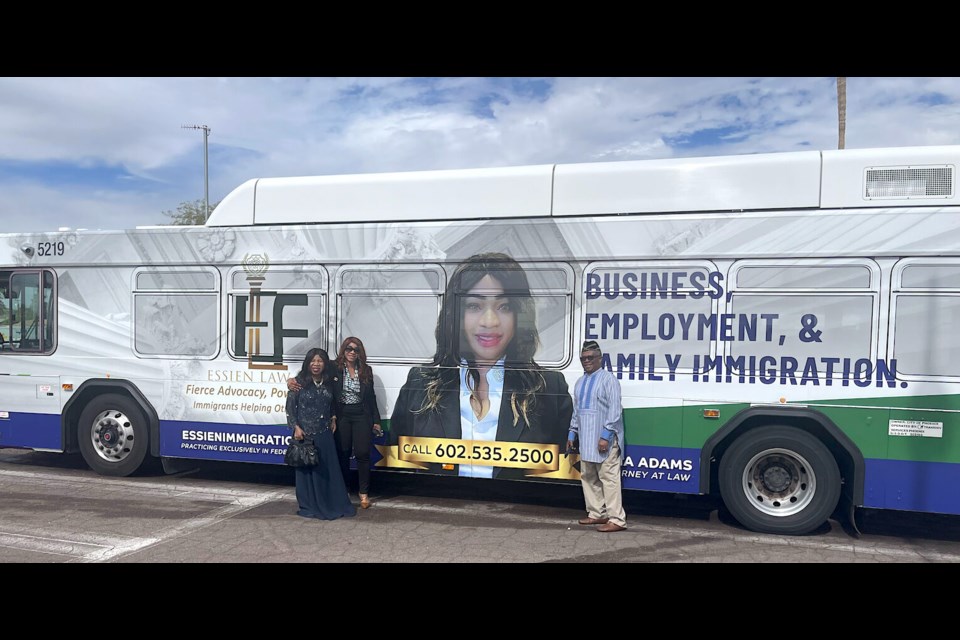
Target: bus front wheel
[113,435]
[780,480]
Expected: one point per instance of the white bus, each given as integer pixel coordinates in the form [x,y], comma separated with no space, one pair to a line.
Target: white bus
[783,325]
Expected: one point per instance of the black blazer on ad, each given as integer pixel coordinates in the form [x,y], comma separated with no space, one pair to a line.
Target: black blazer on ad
[549,419]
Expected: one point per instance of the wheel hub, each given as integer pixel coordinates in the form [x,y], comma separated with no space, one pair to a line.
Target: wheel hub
[112,435]
[775,476]
[109,434]
[779,482]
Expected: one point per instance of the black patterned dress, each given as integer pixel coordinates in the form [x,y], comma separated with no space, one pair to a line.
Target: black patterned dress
[321,492]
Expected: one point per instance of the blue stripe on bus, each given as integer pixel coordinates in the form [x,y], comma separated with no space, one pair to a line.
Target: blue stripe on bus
[905,485]
[250,442]
[889,484]
[224,441]
[31,431]
[661,469]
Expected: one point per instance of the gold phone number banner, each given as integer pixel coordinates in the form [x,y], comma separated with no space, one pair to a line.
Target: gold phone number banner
[522,455]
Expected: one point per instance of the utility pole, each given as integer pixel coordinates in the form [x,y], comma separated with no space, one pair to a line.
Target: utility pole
[206,175]
[842,111]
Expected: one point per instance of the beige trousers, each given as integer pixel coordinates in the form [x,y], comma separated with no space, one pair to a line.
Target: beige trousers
[602,487]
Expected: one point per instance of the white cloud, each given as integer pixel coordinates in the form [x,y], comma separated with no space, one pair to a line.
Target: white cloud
[260,127]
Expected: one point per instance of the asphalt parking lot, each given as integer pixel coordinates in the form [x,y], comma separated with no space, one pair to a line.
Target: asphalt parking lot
[57,511]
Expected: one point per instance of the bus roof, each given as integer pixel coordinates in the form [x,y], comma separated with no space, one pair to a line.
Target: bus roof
[846,178]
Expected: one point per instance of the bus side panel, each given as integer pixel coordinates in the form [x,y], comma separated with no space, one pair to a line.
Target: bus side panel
[912,455]
[913,486]
[29,406]
[655,459]
[921,471]
[30,430]
[223,441]
[866,427]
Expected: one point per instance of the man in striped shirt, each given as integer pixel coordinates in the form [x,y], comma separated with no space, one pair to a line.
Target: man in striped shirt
[598,422]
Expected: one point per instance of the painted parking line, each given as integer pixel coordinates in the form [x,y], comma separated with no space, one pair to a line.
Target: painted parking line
[212,492]
[48,544]
[239,500]
[94,548]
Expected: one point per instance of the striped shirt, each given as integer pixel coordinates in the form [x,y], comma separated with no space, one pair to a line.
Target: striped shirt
[597,413]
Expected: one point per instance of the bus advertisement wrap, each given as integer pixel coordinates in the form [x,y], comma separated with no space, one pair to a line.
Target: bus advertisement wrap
[777,342]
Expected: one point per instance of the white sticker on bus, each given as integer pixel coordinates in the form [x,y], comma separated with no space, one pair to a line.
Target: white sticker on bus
[916,428]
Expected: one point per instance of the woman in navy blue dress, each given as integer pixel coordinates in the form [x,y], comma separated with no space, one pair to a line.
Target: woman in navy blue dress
[321,492]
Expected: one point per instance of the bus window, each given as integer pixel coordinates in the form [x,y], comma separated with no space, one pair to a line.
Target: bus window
[5,303]
[48,299]
[551,287]
[926,310]
[659,310]
[819,313]
[393,309]
[27,311]
[176,312]
[277,313]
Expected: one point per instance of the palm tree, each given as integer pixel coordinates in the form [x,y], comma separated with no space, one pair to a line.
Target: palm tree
[842,109]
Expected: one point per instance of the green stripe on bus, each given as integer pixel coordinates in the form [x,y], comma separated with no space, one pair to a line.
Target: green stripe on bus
[865,421]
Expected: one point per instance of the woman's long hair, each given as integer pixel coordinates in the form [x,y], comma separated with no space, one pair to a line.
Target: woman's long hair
[366,373]
[452,346]
[305,377]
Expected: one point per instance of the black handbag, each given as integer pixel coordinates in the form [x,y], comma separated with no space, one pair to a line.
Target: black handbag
[301,453]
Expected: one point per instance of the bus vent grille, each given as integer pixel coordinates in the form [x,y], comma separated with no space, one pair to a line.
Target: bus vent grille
[909,182]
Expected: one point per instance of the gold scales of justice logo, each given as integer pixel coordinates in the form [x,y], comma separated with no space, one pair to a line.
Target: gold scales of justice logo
[255,266]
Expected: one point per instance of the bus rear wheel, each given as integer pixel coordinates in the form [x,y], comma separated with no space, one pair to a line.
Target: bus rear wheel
[113,435]
[780,480]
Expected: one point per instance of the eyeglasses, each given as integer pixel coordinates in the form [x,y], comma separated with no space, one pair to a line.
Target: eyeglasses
[354,349]
[588,358]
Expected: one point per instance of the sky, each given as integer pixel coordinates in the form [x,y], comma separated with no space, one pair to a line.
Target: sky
[113,153]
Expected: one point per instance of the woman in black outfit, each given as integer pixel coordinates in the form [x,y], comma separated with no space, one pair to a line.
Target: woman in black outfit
[358,417]
[321,492]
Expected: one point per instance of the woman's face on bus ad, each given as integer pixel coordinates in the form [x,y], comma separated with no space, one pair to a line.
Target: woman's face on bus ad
[489,320]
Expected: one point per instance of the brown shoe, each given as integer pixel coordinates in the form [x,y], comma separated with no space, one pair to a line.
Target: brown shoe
[610,528]
[592,521]
[364,502]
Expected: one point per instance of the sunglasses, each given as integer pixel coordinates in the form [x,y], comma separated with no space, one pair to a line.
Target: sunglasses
[353,349]
[588,358]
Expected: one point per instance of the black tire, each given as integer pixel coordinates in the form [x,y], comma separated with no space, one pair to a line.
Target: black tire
[779,479]
[113,435]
